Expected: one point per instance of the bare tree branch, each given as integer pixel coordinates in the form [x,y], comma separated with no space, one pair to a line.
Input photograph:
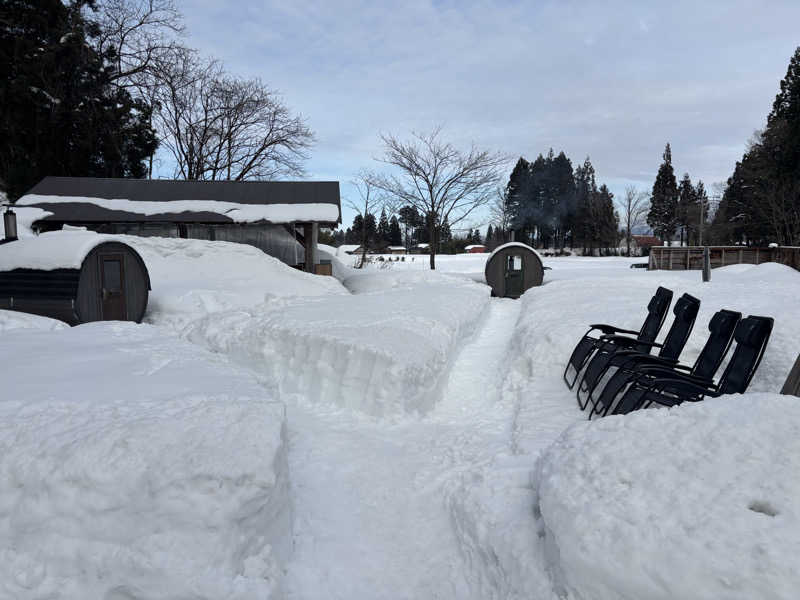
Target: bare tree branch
[219,127]
[441,182]
[371,199]
[633,208]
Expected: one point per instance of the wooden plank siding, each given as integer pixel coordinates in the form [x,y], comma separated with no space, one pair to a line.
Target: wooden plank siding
[677,258]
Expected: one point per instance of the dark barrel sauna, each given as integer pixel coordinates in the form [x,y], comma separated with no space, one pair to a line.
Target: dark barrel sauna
[512,269]
[76,277]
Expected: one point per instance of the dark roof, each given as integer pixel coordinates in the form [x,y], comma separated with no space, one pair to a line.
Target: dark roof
[165,190]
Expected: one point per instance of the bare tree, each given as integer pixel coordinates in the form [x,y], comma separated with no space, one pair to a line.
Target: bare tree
[219,127]
[440,181]
[137,34]
[498,208]
[371,200]
[633,208]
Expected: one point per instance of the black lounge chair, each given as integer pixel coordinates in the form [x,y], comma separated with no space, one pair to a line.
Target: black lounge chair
[656,313]
[642,366]
[751,335]
[622,350]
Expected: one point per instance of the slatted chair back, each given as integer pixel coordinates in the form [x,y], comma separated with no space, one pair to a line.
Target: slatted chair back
[721,328]
[751,335]
[656,313]
[685,312]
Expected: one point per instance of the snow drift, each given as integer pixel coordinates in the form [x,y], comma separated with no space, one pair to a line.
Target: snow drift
[697,502]
[134,465]
[193,278]
[382,352]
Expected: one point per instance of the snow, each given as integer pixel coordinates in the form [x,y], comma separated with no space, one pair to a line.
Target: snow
[51,250]
[382,351]
[512,245]
[700,501]
[194,278]
[345,249]
[471,246]
[10,319]
[424,437]
[134,465]
[239,213]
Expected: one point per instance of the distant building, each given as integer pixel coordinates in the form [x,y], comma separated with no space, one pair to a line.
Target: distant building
[475,248]
[282,218]
[396,250]
[641,244]
[421,249]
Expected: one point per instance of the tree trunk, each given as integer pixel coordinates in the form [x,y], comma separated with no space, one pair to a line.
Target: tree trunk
[432,242]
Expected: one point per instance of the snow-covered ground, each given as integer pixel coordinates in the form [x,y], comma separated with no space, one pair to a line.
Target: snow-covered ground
[424,436]
[135,465]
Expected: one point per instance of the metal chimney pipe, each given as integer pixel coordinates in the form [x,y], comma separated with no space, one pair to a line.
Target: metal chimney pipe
[10,224]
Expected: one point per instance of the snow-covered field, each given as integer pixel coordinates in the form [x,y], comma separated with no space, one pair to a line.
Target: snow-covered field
[428,449]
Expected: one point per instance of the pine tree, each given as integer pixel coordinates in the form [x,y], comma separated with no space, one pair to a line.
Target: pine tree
[607,218]
[395,234]
[698,215]
[383,236]
[60,113]
[489,240]
[686,207]
[517,195]
[664,200]
[370,233]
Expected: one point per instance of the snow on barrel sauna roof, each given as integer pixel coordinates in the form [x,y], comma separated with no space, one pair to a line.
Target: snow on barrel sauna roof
[511,245]
[52,250]
[89,199]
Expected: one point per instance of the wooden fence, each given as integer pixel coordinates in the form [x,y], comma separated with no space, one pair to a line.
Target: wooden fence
[675,258]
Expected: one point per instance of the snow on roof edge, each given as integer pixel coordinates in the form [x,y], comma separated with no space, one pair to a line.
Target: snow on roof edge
[52,250]
[238,213]
[510,245]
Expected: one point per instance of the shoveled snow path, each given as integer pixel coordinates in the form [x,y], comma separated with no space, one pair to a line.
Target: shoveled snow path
[371,517]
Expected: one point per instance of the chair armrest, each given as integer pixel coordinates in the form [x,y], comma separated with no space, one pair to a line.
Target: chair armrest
[611,329]
[626,341]
[679,386]
[669,373]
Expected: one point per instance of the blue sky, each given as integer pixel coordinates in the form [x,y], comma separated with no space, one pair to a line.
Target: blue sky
[612,80]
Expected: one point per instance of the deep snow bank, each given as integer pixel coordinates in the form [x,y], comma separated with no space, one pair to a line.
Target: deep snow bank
[698,502]
[193,278]
[382,352]
[134,465]
[494,503]
[10,319]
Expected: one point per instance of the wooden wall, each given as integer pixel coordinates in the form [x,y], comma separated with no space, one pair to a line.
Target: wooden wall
[674,258]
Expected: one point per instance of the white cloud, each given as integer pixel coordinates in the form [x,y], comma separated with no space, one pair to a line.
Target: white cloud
[515,76]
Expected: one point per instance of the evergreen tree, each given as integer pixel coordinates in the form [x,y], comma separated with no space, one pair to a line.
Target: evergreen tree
[517,194]
[445,235]
[607,218]
[370,234]
[490,238]
[686,207]
[411,220]
[60,113]
[395,234]
[586,225]
[357,230]
[698,214]
[383,236]
[664,200]
[761,203]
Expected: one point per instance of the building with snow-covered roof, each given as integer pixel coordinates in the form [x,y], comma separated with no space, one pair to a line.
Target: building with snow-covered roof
[513,268]
[282,218]
[475,249]
[74,276]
